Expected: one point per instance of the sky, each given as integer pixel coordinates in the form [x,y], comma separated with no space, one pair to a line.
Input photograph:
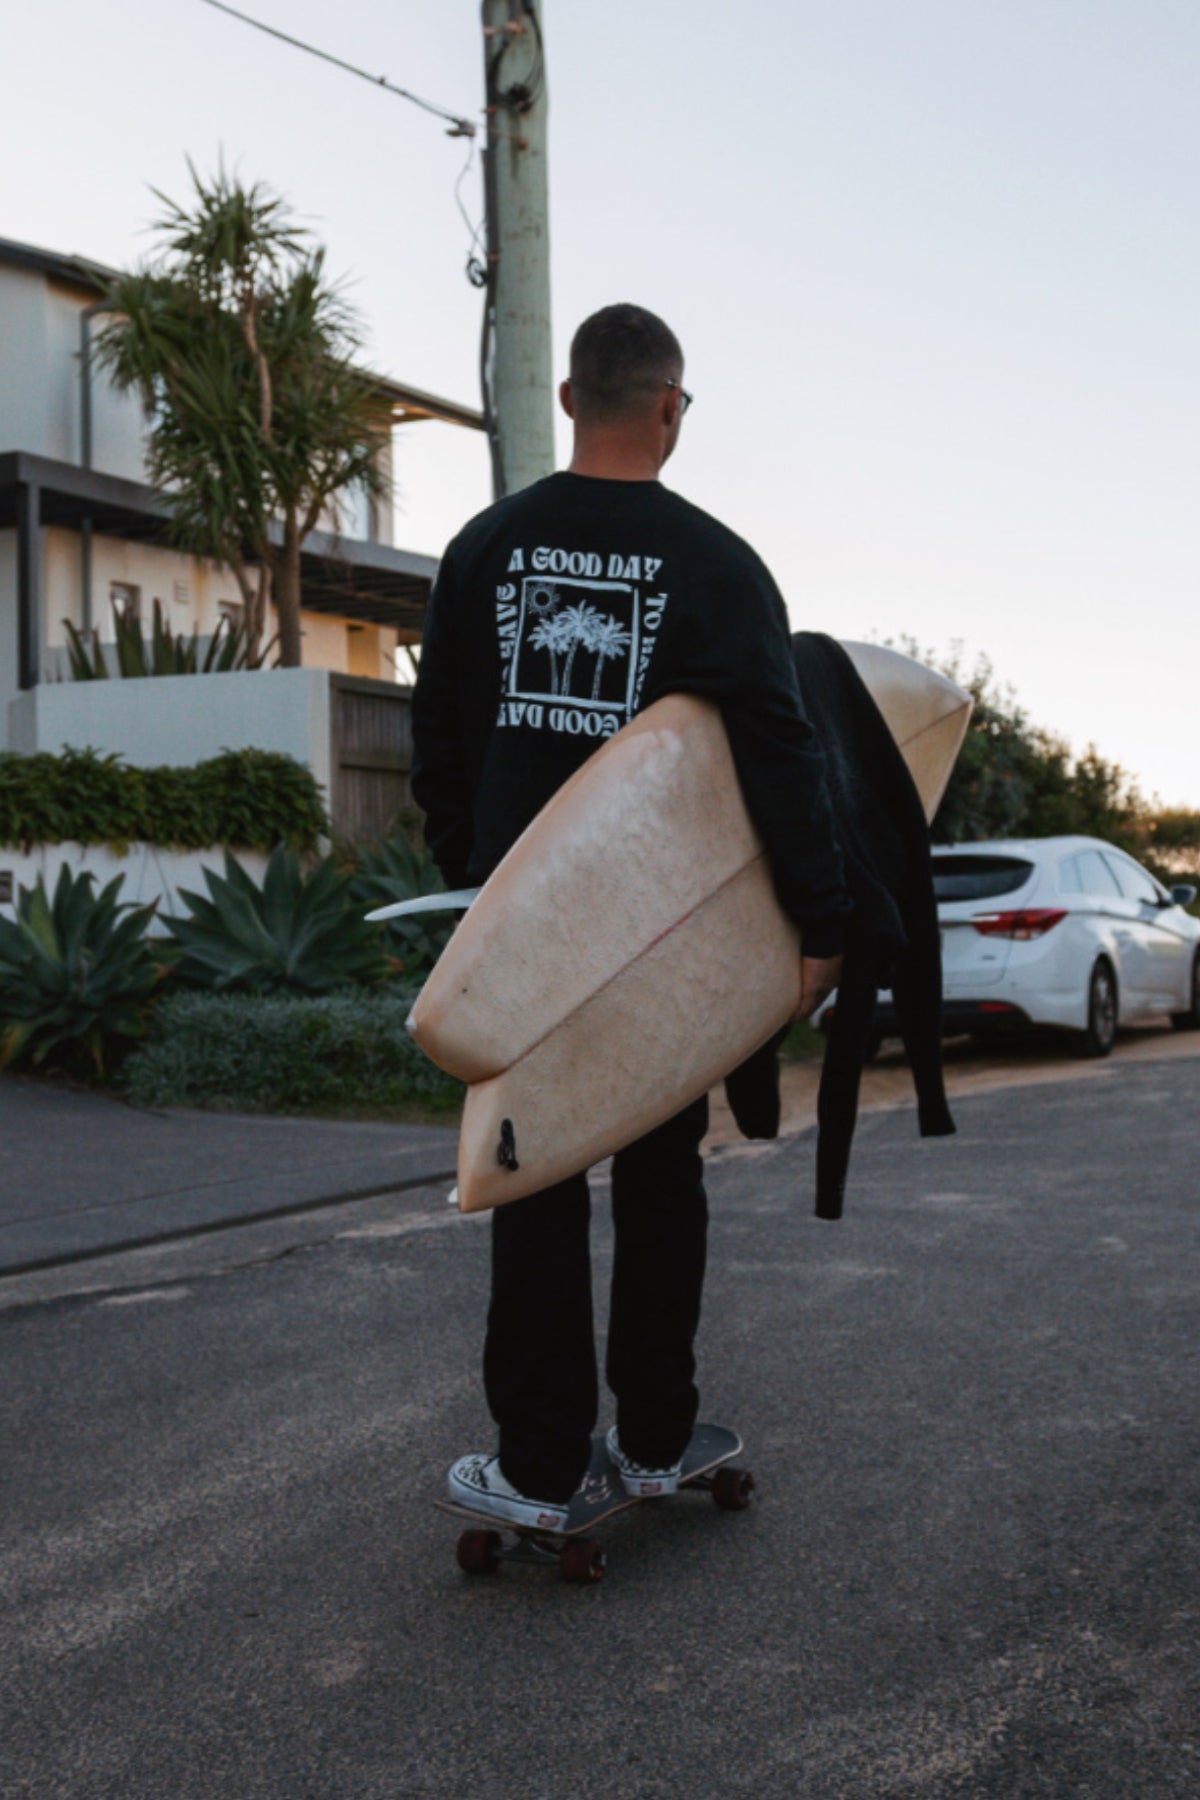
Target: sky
[934,264]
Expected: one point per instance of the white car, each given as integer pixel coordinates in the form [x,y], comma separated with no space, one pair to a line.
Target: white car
[1064,931]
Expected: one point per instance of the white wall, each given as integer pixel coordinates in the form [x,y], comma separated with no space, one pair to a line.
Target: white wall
[151,873]
[181,719]
[23,414]
[40,380]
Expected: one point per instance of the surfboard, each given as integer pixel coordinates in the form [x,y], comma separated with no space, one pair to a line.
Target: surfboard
[629,950]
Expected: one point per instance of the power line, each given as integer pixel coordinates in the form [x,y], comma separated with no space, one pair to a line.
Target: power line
[460,127]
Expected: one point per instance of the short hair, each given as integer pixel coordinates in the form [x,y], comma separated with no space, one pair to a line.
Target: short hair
[620,357]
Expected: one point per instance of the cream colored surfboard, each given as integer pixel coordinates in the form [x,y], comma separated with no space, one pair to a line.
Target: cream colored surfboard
[629,951]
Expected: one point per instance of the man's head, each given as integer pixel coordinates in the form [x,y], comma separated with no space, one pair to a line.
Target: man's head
[624,386]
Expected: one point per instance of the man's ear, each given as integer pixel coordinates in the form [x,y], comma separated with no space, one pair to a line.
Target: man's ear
[566,399]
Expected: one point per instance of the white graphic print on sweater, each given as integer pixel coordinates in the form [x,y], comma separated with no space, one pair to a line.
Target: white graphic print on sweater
[576,638]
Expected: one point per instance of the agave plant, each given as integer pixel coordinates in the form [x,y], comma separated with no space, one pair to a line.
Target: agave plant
[395,869]
[166,652]
[296,931]
[75,972]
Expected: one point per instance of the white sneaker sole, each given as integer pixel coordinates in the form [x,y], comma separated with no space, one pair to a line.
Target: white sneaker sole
[509,1511]
[650,1484]
[649,1487]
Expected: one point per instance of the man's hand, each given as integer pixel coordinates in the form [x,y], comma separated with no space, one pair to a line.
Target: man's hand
[819,975]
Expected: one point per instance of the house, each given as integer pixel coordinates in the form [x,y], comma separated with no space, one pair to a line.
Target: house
[80,528]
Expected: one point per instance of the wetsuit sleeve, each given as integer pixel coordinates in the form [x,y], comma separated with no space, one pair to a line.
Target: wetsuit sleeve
[439,776]
[744,662]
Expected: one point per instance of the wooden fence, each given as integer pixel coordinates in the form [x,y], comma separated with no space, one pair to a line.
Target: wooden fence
[371,755]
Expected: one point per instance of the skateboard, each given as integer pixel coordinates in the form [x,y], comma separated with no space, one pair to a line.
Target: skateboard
[578,1556]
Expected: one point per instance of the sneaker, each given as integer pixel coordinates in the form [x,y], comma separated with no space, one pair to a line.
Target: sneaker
[641,1482]
[477,1482]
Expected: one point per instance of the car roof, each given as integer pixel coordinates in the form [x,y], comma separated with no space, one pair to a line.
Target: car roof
[1032,847]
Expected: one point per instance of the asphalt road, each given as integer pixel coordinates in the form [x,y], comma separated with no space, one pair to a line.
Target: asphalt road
[972,1408]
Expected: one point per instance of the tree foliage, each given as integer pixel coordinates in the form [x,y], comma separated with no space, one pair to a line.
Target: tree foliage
[1016,779]
[242,352]
[1169,840]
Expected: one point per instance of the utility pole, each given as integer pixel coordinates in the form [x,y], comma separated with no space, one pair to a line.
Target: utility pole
[517,364]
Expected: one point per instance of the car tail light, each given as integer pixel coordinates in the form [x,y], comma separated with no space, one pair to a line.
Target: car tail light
[1032,922]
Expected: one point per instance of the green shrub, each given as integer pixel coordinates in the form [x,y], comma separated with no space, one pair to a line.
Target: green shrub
[248,799]
[284,1053]
[76,973]
[393,869]
[298,932]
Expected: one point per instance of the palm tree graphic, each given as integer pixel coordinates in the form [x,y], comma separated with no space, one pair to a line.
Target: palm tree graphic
[581,620]
[555,635]
[610,640]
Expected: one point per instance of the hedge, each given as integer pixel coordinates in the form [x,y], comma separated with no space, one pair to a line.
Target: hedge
[246,799]
[284,1053]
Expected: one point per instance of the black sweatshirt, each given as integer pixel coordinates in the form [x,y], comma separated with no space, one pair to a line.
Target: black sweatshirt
[561,612]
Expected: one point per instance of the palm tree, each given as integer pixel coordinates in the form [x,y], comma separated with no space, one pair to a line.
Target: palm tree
[581,621]
[554,634]
[609,640]
[258,420]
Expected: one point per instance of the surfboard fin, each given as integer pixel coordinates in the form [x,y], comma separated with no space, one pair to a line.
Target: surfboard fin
[458,901]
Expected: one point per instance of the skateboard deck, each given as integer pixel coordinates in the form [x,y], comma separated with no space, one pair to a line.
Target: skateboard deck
[600,1496]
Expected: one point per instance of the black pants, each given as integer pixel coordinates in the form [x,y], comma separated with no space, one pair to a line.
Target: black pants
[539,1361]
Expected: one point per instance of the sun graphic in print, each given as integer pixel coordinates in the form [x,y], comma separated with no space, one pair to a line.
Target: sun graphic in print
[541,598]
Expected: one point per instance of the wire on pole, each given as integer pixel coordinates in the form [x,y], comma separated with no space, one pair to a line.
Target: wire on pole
[459,127]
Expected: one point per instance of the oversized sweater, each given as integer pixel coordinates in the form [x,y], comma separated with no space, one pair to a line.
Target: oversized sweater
[561,612]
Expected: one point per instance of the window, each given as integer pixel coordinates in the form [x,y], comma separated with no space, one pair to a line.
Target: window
[1134,883]
[976,877]
[1068,876]
[1095,876]
[126,598]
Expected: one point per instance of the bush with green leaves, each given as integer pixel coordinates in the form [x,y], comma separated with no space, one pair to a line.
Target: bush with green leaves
[286,1053]
[299,932]
[391,869]
[249,799]
[76,973]
[164,652]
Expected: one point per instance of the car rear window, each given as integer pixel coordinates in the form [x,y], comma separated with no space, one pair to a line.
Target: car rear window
[976,877]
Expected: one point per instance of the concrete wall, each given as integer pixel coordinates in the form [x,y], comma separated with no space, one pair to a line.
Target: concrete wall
[150,873]
[181,719]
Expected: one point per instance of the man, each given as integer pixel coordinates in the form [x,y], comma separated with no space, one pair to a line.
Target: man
[559,613]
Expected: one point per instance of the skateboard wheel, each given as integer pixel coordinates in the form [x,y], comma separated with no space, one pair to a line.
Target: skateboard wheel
[479,1552]
[732,1488]
[582,1560]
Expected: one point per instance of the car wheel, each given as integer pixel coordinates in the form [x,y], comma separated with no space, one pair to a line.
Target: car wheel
[1190,1020]
[1101,1032]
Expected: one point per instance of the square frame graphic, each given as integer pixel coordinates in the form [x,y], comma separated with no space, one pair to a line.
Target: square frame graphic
[578,590]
